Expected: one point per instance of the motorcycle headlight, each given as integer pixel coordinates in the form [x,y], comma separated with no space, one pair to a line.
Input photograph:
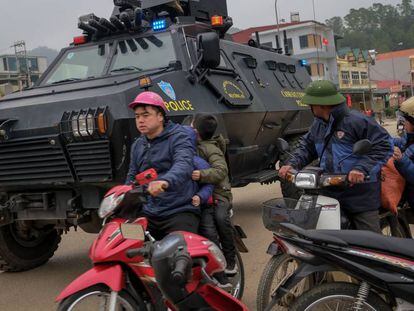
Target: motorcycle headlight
[217,253]
[109,204]
[83,125]
[306,181]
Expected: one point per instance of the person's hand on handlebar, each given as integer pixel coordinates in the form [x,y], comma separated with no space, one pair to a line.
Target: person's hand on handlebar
[284,170]
[356,177]
[155,188]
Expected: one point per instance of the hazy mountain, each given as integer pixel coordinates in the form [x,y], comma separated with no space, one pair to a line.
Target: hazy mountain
[49,53]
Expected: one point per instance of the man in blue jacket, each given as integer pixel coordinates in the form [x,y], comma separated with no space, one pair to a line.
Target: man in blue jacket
[331,139]
[404,149]
[167,148]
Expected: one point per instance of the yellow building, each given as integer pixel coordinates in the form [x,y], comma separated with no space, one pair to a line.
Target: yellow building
[353,71]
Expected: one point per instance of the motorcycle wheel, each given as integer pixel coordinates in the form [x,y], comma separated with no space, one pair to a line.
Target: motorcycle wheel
[97,298]
[276,271]
[337,296]
[24,247]
[238,280]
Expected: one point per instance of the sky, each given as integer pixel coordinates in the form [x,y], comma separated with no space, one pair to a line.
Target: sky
[53,23]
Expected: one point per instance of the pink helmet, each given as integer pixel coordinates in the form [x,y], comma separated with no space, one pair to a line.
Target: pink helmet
[148,98]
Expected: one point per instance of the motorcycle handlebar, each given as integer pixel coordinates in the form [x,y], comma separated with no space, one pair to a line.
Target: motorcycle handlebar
[179,274]
[131,253]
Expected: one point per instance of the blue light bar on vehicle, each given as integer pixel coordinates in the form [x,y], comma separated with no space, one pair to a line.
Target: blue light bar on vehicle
[159,24]
[303,62]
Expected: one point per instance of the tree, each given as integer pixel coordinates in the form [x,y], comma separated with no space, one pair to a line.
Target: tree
[337,25]
[380,26]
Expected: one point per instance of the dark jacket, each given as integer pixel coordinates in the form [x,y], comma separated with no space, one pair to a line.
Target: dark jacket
[205,191]
[213,151]
[171,154]
[335,139]
[406,165]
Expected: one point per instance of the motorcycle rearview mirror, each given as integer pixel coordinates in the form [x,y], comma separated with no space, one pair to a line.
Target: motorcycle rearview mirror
[282,145]
[133,232]
[362,147]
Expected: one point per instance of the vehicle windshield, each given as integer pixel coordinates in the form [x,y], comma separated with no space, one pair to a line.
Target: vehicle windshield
[134,54]
[80,64]
[145,53]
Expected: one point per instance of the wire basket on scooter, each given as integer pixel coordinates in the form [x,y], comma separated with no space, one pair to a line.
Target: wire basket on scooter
[302,213]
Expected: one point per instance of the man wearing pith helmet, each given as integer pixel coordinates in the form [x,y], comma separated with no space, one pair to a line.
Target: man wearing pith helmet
[331,138]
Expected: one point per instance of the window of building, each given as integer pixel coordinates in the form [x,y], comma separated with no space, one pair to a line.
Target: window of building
[5,67]
[303,40]
[33,64]
[317,70]
[345,77]
[12,63]
[310,41]
[364,77]
[290,45]
[355,78]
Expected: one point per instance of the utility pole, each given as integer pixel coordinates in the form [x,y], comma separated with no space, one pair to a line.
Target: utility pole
[21,55]
[371,61]
[278,26]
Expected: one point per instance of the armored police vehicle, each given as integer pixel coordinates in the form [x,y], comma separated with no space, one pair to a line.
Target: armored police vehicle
[66,140]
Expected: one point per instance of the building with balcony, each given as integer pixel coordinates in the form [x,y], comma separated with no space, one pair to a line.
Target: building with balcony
[306,40]
[353,74]
[13,71]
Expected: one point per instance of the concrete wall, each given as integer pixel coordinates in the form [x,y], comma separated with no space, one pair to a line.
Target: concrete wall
[383,70]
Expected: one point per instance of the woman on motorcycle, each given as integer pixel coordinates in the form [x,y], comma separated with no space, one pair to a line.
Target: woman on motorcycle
[404,149]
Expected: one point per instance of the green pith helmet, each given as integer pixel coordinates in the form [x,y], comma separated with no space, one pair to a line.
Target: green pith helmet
[407,107]
[322,93]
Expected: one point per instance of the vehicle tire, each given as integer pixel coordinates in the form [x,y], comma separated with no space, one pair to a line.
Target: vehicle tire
[275,271]
[76,302]
[238,280]
[289,190]
[391,226]
[19,252]
[313,299]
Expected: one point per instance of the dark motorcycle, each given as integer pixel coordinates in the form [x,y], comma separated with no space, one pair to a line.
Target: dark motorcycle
[381,269]
[311,211]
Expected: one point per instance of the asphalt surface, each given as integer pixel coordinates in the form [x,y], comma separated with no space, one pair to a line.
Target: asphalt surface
[37,289]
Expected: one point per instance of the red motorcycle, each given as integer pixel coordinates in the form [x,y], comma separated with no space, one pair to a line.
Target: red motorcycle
[134,272]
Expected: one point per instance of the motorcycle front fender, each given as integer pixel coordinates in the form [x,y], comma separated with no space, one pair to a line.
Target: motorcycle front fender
[109,275]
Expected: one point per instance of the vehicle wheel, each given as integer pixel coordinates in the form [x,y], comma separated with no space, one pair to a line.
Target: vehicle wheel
[289,190]
[97,298]
[238,280]
[277,270]
[391,226]
[337,296]
[23,246]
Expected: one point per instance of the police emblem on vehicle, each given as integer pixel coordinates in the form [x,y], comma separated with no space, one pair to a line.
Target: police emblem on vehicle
[167,89]
[340,134]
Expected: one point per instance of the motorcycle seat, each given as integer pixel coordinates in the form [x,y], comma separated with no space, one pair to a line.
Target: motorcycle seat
[363,239]
[374,241]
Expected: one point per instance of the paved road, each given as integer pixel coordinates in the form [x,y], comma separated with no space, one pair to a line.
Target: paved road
[36,289]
